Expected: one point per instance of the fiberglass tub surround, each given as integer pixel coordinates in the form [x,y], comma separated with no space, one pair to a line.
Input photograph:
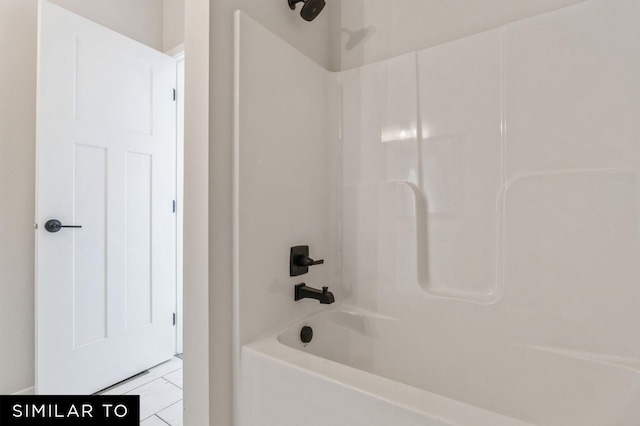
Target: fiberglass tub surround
[491,183]
[485,238]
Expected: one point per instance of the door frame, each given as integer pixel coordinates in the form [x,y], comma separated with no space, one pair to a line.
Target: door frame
[178,55]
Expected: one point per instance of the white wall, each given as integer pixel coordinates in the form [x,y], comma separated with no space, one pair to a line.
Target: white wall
[366,31]
[17,189]
[173,24]
[197,350]
[158,24]
[140,20]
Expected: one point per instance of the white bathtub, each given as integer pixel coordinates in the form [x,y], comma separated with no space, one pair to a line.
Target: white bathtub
[363,369]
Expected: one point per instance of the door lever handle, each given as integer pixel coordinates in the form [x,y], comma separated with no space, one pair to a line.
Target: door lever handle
[54,225]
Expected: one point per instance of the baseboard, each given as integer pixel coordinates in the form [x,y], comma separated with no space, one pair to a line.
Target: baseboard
[27,391]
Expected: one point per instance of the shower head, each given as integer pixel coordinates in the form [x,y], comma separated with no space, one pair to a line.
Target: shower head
[310,10]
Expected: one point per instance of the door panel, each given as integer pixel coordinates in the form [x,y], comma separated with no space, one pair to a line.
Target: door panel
[89,246]
[138,236]
[106,161]
[113,89]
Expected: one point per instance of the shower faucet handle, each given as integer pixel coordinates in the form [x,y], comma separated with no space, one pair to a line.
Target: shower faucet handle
[299,261]
[307,261]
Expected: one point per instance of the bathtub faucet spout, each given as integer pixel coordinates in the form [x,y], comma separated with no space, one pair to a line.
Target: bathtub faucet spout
[324,296]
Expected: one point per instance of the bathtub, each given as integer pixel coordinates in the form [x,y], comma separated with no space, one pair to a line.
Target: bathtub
[364,369]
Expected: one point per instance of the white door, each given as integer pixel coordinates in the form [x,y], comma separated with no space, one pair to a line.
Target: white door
[105,293]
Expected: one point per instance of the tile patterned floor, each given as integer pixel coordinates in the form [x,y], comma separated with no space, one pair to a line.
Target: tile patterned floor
[160,391]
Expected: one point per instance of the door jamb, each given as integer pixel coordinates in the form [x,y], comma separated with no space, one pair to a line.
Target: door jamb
[178,55]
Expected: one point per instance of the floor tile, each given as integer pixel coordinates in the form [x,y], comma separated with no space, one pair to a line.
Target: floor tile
[172,414]
[166,367]
[174,377]
[156,396]
[131,384]
[153,421]
[154,373]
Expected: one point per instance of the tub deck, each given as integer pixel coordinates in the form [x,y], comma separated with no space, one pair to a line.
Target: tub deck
[365,369]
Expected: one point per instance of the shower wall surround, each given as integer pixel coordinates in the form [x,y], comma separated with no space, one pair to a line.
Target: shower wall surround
[436,117]
[286,177]
[369,31]
[493,181]
[489,184]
